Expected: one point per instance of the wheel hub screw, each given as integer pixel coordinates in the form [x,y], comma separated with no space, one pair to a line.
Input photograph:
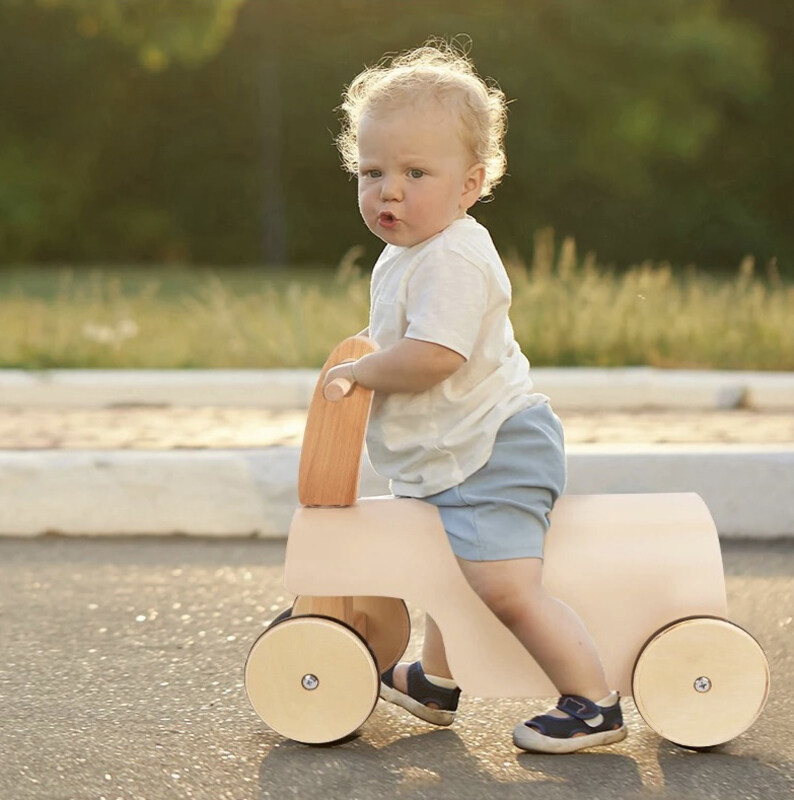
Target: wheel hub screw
[310,681]
[702,684]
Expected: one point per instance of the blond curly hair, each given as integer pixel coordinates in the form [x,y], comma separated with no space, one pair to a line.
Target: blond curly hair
[439,71]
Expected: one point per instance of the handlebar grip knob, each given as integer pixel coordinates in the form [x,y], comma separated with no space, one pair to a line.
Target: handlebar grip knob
[338,389]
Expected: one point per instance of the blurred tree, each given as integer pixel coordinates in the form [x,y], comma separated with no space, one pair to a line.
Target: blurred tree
[619,106]
[66,118]
[203,132]
[762,155]
[160,32]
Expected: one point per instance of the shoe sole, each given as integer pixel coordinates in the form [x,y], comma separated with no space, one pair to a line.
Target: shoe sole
[533,741]
[435,716]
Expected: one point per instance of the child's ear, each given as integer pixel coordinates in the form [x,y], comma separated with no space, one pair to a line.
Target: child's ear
[472,185]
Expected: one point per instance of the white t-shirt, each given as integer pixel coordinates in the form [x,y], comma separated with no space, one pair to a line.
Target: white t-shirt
[452,290]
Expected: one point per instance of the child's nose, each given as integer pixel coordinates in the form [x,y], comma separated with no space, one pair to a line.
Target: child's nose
[390,188]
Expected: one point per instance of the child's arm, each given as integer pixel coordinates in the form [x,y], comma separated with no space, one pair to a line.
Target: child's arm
[410,366]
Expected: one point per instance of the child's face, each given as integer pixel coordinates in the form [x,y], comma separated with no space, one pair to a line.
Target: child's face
[416,176]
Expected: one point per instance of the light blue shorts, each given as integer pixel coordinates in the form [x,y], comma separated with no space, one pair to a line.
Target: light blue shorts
[501,511]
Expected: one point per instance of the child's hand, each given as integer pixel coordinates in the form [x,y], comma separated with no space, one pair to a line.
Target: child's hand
[342,371]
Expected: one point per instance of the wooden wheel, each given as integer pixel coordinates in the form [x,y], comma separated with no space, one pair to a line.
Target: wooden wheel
[285,613]
[383,621]
[312,679]
[701,681]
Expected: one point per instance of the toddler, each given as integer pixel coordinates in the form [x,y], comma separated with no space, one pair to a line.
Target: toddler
[454,420]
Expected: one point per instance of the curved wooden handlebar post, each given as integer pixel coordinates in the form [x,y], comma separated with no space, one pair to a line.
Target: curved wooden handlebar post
[334,437]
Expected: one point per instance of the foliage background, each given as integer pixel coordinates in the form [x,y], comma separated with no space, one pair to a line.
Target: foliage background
[195,132]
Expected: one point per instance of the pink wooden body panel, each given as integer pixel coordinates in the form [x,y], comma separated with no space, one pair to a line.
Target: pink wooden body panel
[628,564]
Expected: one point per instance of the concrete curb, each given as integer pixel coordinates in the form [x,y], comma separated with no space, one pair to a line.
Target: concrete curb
[253,492]
[624,388]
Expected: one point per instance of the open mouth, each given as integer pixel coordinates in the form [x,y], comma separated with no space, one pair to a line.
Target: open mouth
[387,220]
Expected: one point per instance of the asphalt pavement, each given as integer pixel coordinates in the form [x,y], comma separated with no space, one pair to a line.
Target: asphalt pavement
[121,676]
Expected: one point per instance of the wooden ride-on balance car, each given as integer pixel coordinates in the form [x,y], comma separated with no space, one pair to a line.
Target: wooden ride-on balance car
[644,571]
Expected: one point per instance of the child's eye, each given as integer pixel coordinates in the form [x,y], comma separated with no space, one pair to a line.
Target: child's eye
[372,173]
[416,173]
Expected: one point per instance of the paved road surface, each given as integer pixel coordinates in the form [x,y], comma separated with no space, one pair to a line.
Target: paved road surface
[121,677]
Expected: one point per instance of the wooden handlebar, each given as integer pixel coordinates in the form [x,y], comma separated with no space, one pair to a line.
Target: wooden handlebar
[338,389]
[333,441]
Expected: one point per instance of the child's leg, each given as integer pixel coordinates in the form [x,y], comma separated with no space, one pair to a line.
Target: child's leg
[434,657]
[587,714]
[555,637]
[424,688]
[550,630]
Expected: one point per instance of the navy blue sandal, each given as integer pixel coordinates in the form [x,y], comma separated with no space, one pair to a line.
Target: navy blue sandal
[586,724]
[421,692]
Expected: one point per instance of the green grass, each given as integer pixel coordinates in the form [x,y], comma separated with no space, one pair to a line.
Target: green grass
[565,312]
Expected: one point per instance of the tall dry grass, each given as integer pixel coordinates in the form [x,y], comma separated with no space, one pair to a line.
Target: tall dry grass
[566,311]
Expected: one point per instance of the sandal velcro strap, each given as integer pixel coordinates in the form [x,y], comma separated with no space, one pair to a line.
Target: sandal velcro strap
[584,717]
[423,691]
[578,707]
[585,724]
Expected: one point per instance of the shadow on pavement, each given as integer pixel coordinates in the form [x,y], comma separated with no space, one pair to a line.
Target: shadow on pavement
[434,766]
[719,773]
[438,765]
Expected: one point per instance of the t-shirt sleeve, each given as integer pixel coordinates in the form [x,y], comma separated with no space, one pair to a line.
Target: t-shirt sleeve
[446,299]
